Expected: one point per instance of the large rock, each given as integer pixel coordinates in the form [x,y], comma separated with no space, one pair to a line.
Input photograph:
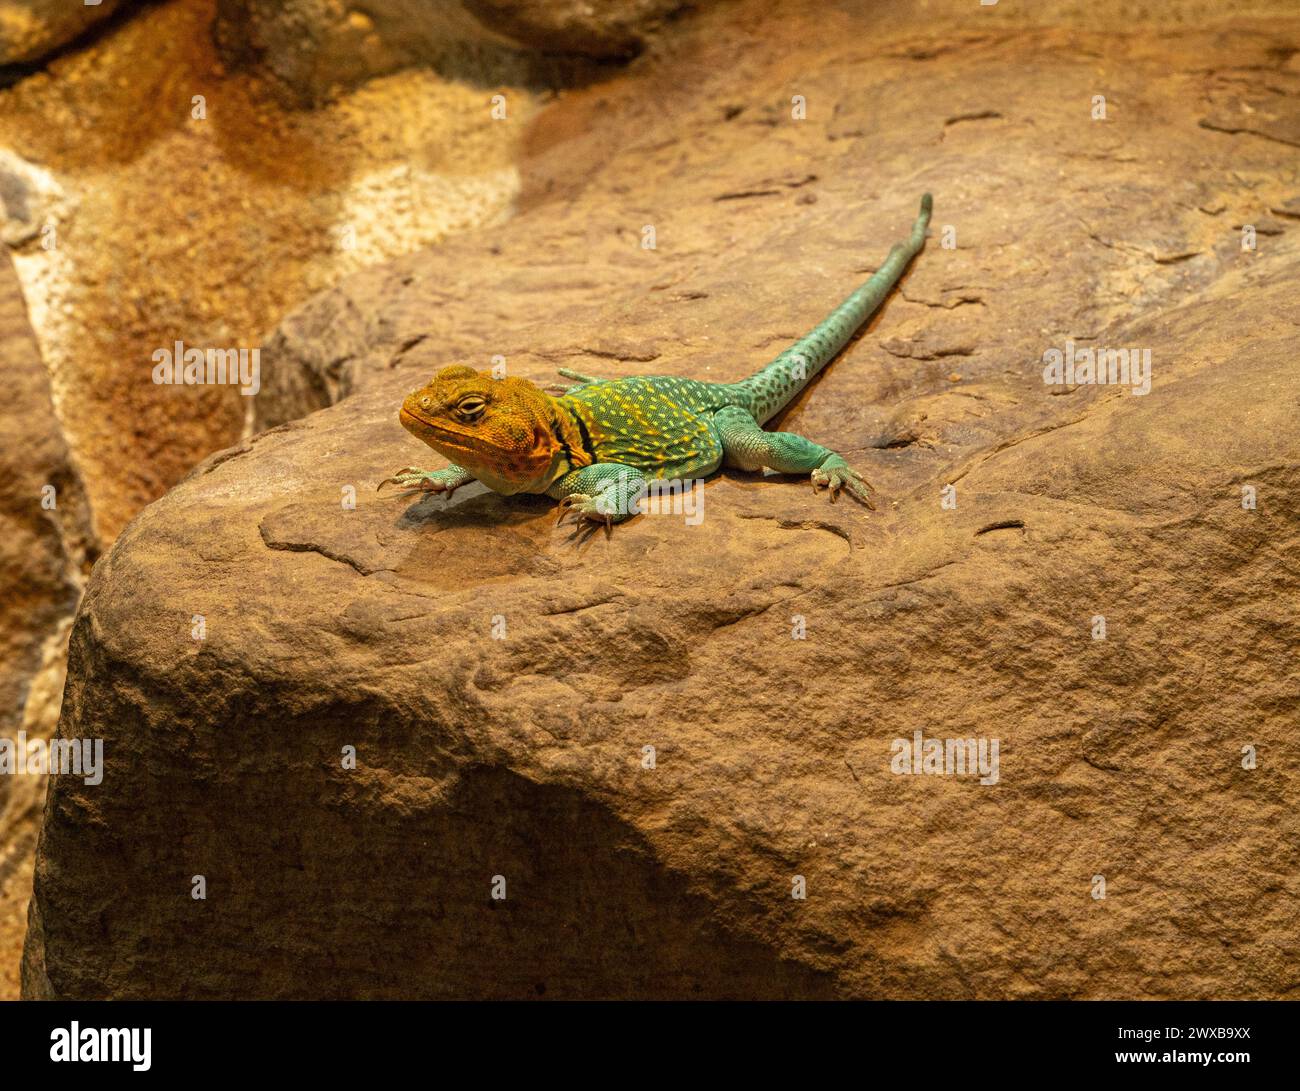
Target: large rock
[501,680]
[44,540]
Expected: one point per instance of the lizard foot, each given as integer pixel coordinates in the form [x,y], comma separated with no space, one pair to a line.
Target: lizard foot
[836,474]
[584,507]
[425,480]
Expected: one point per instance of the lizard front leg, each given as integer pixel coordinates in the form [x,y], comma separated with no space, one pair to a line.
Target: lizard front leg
[605,492]
[445,481]
[747,446]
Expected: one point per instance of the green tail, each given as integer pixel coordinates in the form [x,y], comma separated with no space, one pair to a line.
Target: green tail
[767,392]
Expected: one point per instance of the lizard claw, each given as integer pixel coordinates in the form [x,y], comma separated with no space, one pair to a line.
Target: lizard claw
[584,507]
[839,475]
[396,479]
[565,506]
[413,478]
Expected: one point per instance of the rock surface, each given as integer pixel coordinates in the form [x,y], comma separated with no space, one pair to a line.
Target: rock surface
[43,545]
[500,680]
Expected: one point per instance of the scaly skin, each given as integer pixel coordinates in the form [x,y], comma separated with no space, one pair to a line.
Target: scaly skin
[594,447]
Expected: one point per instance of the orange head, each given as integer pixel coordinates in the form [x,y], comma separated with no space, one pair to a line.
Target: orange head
[506,432]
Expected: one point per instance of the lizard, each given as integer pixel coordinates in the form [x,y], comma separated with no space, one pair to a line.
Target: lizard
[596,447]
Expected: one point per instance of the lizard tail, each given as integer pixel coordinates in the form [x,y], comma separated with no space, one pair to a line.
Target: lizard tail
[767,392]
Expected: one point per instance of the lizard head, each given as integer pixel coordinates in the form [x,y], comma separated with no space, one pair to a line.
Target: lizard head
[504,431]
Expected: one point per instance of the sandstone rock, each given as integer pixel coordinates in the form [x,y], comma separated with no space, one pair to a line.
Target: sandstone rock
[41,550]
[31,29]
[500,681]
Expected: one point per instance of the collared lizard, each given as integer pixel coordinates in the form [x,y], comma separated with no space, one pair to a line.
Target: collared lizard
[595,447]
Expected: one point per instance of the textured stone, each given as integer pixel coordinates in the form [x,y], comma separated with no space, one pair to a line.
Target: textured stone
[523,757]
[42,550]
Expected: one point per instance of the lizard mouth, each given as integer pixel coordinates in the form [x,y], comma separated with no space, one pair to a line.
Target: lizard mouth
[439,431]
[407,417]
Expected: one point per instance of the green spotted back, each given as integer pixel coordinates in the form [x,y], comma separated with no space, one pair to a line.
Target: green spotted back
[659,424]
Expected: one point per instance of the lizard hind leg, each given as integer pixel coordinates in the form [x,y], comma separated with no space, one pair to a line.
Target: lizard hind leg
[568,373]
[748,447]
[582,380]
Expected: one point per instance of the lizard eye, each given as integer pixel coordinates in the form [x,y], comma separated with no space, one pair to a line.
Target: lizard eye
[470,408]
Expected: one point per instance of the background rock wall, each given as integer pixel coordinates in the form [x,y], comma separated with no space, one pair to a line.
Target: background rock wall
[44,552]
[206,229]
